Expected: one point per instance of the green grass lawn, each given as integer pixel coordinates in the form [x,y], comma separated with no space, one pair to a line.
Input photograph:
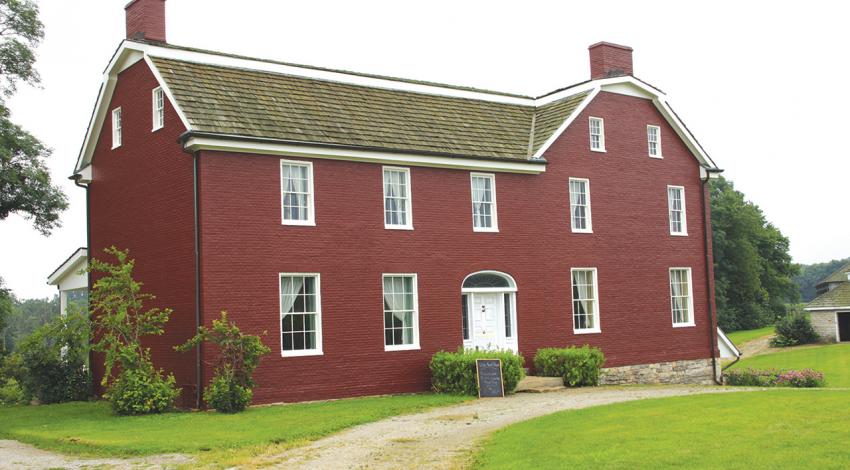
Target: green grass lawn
[90,428]
[741,337]
[789,428]
[832,359]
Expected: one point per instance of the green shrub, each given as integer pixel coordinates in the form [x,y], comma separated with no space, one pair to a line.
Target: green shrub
[11,392]
[795,328]
[580,367]
[454,372]
[806,378]
[12,367]
[142,390]
[225,394]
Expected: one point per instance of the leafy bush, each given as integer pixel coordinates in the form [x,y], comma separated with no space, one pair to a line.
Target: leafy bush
[12,367]
[579,367]
[142,390]
[806,378]
[11,393]
[53,359]
[454,372]
[239,354]
[122,319]
[794,329]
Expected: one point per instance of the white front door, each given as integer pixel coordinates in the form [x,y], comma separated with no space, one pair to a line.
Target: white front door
[488,331]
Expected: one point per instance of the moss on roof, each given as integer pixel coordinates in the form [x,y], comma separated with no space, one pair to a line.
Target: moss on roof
[838,297]
[269,105]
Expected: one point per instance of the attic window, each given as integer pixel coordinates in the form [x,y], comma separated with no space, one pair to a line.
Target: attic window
[597,134]
[653,138]
[158,102]
[116,128]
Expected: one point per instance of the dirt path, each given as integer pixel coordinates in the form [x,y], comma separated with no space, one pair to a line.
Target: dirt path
[444,438]
[756,346]
[16,455]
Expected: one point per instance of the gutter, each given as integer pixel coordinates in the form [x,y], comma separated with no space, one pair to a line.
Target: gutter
[708,290]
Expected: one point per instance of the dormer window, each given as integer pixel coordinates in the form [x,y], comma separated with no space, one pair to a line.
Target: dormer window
[597,134]
[158,109]
[116,128]
[653,138]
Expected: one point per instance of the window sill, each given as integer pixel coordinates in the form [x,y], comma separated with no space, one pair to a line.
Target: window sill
[575,230]
[306,352]
[486,230]
[157,128]
[398,227]
[586,332]
[683,325]
[682,234]
[657,157]
[404,347]
[299,223]
[602,150]
[116,147]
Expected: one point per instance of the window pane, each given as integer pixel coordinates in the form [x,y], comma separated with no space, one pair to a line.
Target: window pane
[508,325]
[399,310]
[464,309]
[486,280]
[584,302]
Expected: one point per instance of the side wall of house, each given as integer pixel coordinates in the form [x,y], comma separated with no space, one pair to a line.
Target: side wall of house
[245,247]
[141,199]
[824,324]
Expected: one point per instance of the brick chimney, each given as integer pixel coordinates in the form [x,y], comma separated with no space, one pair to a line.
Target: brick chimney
[610,60]
[146,20]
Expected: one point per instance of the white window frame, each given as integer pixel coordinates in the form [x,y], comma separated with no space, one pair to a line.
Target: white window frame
[409,198]
[589,218]
[690,321]
[684,231]
[495,211]
[590,122]
[117,125]
[301,352]
[158,109]
[415,344]
[598,326]
[657,141]
[311,206]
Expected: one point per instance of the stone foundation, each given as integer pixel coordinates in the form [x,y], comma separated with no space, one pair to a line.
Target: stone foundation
[824,325]
[677,372]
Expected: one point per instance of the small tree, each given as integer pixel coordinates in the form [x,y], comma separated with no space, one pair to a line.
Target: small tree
[121,320]
[239,354]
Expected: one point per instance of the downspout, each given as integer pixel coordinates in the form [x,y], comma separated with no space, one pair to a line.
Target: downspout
[88,262]
[708,291]
[198,368]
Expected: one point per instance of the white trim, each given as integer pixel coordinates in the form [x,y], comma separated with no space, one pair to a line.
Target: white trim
[117,127]
[409,223]
[415,344]
[555,135]
[691,321]
[311,209]
[495,214]
[596,310]
[512,287]
[78,256]
[659,154]
[837,329]
[589,228]
[819,309]
[368,156]
[684,231]
[156,122]
[725,341]
[601,148]
[301,352]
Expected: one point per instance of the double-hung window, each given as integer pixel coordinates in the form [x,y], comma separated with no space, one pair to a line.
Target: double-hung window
[300,315]
[681,297]
[585,301]
[158,105]
[580,219]
[398,210]
[676,209]
[296,183]
[484,218]
[401,316]
[653,140]
[597,134]
[116,127]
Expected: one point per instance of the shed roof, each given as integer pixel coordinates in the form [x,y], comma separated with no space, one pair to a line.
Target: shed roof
[839,297]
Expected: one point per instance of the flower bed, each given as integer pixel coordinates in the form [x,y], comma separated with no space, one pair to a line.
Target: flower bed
[805,378]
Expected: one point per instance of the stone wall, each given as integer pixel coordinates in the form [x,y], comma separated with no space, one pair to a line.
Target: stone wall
[676,372]
[824,325]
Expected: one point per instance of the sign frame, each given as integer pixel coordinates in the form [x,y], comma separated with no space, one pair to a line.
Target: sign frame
[478,377]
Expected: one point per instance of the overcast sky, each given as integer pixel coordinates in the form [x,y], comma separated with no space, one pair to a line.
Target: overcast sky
[749,80]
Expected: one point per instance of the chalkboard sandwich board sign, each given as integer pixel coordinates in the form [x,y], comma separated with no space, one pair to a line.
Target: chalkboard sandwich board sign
[489,376]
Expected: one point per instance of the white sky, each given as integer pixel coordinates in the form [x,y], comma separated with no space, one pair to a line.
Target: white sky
[749,78]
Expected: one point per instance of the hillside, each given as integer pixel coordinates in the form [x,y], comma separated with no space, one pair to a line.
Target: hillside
[810,274]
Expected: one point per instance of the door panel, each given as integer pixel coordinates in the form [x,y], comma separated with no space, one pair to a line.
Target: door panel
[843,326]
[488,332]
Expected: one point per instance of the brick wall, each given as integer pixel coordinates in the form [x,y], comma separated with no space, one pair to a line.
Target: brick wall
[245,247]
[141,199]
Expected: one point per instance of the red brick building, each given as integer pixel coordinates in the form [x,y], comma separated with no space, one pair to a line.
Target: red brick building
[366,222]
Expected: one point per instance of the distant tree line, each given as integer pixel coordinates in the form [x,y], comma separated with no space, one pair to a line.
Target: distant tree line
[19,318]
[811,274]
[752,266]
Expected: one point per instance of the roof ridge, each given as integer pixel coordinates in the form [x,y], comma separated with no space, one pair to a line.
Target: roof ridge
[843,269]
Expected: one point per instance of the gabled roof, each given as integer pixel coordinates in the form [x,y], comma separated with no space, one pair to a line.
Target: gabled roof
[236,103]
[70,266]
[839,297]
[840,275]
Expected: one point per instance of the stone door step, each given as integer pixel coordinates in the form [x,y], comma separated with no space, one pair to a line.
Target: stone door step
[535,384]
